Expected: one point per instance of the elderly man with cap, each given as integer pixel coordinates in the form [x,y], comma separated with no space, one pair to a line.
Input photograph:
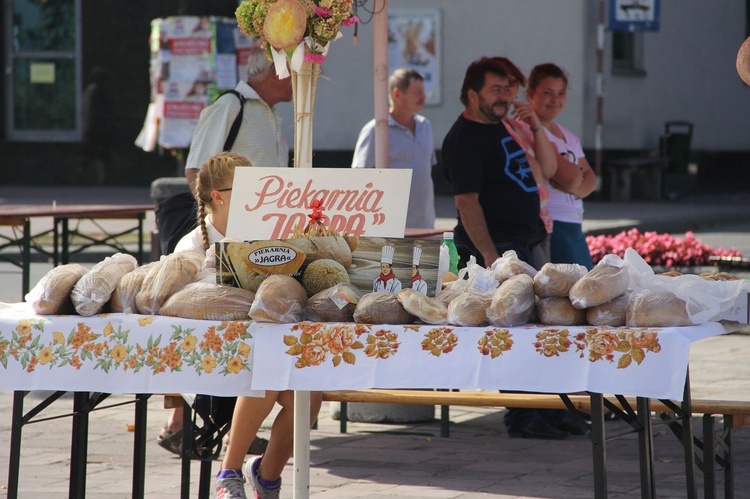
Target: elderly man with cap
[387,280]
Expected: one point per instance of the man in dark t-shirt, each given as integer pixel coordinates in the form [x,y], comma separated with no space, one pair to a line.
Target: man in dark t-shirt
[497,200]
[493,186]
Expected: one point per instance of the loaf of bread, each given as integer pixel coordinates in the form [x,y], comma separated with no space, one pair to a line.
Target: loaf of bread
[513,302]
[316,248]
[556,279]
[381,308]
[95,288]
[280,298]
[323,274]
[612,313]
[123,297]
[51,295]
[469,309]
[509,265]
[165,278]
[426,309]
[452,290]
[602,284]
[335,304]
[557,310]
[200,300]
[654,308]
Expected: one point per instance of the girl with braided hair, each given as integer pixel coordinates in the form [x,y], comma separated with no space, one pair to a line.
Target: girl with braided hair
[213,191]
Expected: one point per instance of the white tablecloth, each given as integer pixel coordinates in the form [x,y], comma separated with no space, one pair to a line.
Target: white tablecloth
[647,362]
[130,353]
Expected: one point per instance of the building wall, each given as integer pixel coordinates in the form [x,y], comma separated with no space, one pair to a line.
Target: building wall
[689,65]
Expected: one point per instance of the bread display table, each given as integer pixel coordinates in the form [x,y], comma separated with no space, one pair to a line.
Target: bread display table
[120,353]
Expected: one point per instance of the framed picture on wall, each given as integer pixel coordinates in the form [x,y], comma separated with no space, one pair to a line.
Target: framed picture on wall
[414,42]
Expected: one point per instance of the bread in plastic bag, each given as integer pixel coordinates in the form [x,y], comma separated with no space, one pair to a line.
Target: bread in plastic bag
[204,301]
[557,310]
[513,302]
[381,307]
[335,304]
[123,297]
[612,313]
[95,288]
[168,276]
[656,308]
[470,308]
[556,279]
[280,298]
[509,265]
[51,295]
[452,290]
[427,309]
[706,300]
[605,282]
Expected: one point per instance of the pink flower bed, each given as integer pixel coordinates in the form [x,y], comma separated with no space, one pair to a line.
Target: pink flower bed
[657,249]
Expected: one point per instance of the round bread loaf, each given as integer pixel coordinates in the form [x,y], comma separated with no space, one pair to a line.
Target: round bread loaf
[426,309]
[556,279]
[602,284]
[381,308]
[557,310]
[201,300]
[652,308]
[513,302]
[469,309]
[280,298]
[316,248]
[335,304]
[323,274]
[51,295]
[612,313]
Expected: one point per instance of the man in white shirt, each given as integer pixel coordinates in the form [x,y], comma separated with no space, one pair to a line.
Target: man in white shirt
[410,145]
[260,137]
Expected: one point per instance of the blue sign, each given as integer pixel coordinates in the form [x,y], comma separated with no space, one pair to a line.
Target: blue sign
[634,15]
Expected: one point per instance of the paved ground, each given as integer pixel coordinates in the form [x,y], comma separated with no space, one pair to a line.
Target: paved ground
[407,461]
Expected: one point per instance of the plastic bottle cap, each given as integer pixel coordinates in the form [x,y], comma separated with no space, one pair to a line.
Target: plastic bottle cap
[447,235]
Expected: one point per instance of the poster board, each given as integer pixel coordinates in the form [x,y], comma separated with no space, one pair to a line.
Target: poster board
[413,262]
[414,42]
[269,203]
[193,60]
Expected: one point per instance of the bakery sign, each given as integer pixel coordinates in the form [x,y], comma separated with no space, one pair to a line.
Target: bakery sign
[271,203]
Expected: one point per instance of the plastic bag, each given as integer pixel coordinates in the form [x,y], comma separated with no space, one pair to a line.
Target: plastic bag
[513,302]
[509,265]
[280,298]
[705,299]
[200,300]
[51,295]
[335,304]
[168,276]
[95,288]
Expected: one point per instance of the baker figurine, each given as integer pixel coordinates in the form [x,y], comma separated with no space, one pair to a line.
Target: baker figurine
[387,280]
[417,283]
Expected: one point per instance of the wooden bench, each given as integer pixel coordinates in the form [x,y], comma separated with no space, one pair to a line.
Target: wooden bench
[678,416]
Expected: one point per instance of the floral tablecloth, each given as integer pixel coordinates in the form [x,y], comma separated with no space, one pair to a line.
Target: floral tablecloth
[131,353]
[123,353]
[647,362]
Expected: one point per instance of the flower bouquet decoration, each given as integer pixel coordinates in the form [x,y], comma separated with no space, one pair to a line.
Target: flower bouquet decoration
[297,34]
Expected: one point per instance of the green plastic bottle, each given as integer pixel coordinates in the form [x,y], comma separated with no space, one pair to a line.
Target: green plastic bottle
[452,252]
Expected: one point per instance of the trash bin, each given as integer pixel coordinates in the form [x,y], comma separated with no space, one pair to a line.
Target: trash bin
[678,135]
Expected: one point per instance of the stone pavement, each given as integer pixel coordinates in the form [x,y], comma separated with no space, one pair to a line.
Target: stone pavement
[408,461]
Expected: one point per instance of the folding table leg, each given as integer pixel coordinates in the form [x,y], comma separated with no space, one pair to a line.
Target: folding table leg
[16,429]
[687,440]
[139,445]
[728,460]
[645,448]
[709,457]
[187,437]
[598,445]
[79,446]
